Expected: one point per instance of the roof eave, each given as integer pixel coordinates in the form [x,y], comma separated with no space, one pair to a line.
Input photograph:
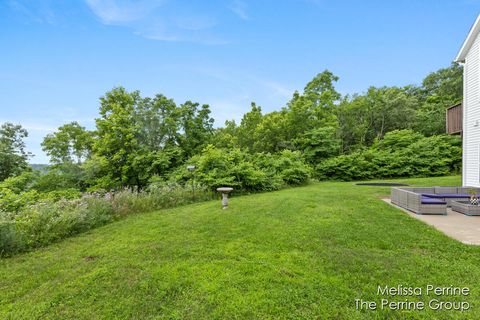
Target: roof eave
[462,54]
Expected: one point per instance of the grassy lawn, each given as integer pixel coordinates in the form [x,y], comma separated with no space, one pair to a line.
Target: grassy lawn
[300,253]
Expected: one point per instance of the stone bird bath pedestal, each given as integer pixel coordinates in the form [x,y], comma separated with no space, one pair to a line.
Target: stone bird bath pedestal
[225,191]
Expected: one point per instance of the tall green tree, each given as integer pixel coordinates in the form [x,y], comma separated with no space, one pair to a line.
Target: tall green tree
[226,137]
[196,127]
[271,135]
[70,143]
[138,138]
[440,90]
[314,108]
[364,118]
[158,122]
[445,83]
[248,126]
[117,133]
[13,156]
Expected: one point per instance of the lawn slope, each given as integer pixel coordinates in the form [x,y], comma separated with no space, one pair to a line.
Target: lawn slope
[306,252]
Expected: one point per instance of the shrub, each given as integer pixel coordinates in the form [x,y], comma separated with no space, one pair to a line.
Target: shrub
[59,177]
[401,154]
[292,168]
[224,167]
[10,240]
[174,194]
[95,212]
[43,223]
[20,183]
[245,172]
[57,195]
[285,168]
[14,202]
[397,139]
[50,220]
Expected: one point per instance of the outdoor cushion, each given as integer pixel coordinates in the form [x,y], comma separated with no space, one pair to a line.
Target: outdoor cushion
[445,195]
[455,195]
[426,200]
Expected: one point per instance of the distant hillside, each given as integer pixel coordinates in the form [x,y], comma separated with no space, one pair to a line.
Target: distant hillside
[39,167]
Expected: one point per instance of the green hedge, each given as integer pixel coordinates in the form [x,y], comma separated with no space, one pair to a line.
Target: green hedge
[244,171]
[402,153]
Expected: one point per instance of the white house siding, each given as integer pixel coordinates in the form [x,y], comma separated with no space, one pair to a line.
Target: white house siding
[471,117]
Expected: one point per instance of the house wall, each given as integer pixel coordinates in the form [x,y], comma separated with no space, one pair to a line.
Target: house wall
[471,117]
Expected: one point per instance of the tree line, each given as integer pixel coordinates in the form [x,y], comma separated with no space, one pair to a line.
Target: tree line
[139,140]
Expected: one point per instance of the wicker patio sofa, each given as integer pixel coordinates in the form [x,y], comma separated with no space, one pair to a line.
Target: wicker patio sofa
[432,200]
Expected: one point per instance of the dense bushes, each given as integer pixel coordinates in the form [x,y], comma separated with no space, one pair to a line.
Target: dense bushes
[18,192]
[402,153]
[244,171]
[288,167]
[48,221]
[10,240]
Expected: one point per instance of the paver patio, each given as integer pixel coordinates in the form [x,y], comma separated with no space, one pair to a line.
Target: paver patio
[463,228]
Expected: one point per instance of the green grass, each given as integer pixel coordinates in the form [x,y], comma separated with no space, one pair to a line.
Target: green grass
[302,253]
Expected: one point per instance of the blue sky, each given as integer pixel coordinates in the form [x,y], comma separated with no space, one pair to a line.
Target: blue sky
[58,57]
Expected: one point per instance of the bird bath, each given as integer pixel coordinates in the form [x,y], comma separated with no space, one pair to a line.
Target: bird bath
[225,191]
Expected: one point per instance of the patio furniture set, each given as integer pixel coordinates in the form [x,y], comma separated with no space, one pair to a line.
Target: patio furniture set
[435,200]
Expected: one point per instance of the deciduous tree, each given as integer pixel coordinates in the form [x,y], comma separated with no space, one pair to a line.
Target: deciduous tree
[71,143]
[13,156]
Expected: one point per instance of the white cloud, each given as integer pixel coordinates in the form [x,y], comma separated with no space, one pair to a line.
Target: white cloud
[206,39]
[122,11]
[239,7]
[164,20]
[158,19]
